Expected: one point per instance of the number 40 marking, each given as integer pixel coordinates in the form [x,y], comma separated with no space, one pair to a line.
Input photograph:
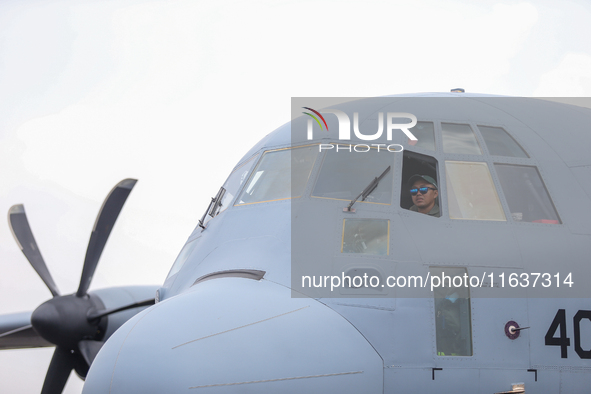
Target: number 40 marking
[563,341]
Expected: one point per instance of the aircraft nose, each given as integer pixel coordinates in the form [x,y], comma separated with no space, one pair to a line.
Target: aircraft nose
[236,335]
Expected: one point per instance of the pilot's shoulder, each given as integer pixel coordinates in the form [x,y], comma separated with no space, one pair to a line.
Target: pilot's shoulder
[434,211]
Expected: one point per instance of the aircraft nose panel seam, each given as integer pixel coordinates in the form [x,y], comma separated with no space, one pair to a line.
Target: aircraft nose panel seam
[277,380]
[237,328]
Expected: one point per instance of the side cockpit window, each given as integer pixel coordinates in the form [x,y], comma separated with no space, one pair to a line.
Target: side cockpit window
[235,182]
[522,185]
[420,186]
[500,143]
[471,193]
[227,192]
[425,134]
[183,256]
[526,194]
[281,174]
[459,139]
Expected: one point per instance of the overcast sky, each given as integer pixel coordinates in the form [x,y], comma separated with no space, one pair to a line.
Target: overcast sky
[173,93]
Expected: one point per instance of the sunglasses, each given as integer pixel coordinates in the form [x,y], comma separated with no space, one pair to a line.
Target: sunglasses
[422,190]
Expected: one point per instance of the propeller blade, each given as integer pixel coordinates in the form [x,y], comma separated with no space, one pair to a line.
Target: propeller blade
[105,312]
[16,332]
[23,338]
[89,349]
[21,231]
[61,365]
[23,328]
[102,228]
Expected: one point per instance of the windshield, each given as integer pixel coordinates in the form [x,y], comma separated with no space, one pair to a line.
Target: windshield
[280,175]
[344,175]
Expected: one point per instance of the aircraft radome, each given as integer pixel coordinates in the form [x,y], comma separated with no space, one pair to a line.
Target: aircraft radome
[413,243]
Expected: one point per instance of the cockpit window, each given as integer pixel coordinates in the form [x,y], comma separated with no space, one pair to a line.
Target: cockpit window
[227,193]
[183,256]
[526,194]
[280,175]
[459,139]
[235,181]
[500,143]
[424,132]
[345,174]
[422,170]
[471,193]
[366,236]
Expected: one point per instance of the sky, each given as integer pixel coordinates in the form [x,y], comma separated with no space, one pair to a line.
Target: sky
[174,93]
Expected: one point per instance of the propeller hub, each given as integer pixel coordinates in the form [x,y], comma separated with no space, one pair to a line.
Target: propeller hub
[63,320]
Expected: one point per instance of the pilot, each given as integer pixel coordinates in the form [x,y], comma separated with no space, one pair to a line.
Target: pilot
[423,191]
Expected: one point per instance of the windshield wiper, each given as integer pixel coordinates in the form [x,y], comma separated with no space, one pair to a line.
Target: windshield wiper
[367,191]
[214,205]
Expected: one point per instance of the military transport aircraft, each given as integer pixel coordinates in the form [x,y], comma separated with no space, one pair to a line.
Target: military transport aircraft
[311,271]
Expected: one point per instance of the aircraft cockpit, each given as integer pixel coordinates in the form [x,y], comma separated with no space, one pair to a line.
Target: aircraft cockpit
[482,171]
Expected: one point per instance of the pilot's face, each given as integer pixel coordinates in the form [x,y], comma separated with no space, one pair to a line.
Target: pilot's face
[427,200]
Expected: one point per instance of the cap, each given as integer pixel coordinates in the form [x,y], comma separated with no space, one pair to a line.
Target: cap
[426,178]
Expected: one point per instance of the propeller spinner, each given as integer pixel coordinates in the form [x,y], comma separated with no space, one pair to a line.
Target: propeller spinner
[74,323]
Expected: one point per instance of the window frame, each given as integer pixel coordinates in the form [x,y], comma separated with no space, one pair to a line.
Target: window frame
[258,162]
[358,219]
[488,153]
[254,159]
[414,155]
[475,134]
[541,178]
[392,172]
[492,183]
